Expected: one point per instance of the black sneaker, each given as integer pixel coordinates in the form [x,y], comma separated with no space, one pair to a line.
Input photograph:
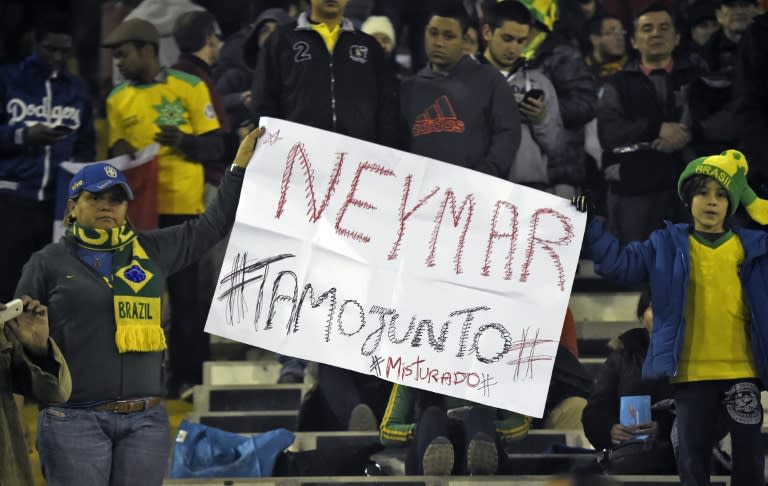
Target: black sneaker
[482,455]
[438,458]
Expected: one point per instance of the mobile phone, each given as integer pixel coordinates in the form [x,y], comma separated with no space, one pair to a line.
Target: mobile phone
[13,309]
[62,129]
[535,93]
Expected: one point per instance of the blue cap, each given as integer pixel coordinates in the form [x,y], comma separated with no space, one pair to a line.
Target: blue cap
[97,178]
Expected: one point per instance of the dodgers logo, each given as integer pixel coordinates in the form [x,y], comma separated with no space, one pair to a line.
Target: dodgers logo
[50,115]
[358,53]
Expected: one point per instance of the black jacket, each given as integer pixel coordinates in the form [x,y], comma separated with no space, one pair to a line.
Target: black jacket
[711,98]
[467,118]
[620,376]
[233,77]
[81,308]
[752,111]
[630,112]
[576,89]
[351,91]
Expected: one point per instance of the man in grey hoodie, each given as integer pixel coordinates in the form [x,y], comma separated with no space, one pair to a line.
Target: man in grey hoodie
[542,135]
[457,110]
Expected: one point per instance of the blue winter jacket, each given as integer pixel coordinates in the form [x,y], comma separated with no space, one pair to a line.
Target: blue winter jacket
[31,93]
[663,260]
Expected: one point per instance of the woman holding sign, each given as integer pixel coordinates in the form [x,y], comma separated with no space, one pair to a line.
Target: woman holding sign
[103,285]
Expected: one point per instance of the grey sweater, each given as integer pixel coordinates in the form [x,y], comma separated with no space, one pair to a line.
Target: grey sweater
[80,304]
[540,142]
[463,118]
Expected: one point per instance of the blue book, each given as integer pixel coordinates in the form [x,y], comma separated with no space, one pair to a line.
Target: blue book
[635,410]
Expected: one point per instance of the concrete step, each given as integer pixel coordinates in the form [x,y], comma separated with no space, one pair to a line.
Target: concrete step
[536,441]
[249,398]
[593,336]
[602,307]
[517,480]
[239,385]
[247,422]
[252,372]
[586,280]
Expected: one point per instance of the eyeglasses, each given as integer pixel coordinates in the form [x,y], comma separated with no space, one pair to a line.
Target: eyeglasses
[615,33]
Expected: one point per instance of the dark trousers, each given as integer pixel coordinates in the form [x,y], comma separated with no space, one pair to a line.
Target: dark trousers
[27,228]
[344,389]
[189,344]
[702,404]
[434,422]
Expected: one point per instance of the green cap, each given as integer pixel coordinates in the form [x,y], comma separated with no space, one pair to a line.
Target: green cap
[729,169]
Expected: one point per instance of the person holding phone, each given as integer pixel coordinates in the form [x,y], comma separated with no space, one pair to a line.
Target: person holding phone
[542,136]
[34,366]
[45,119]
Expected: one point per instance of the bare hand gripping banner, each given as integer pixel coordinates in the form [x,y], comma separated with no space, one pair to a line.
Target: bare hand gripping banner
[388,263]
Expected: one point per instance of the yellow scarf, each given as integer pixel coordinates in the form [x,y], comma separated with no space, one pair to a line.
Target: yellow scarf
[136,290]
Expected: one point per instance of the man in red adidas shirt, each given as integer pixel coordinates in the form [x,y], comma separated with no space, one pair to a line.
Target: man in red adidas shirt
[458,110]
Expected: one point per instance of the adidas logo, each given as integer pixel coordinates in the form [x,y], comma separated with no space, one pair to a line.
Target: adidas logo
[438,118]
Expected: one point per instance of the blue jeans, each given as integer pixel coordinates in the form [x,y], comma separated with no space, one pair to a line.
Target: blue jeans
[93,448]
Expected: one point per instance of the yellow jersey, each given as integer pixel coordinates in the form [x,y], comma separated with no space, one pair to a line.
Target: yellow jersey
[135,112]
[716,345]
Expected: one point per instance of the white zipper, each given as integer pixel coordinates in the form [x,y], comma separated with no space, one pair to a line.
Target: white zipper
[47,159]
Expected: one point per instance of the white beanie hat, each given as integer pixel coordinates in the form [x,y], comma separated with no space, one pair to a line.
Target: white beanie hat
[379,24]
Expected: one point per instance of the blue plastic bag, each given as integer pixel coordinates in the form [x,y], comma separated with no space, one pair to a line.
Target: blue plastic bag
[201,451]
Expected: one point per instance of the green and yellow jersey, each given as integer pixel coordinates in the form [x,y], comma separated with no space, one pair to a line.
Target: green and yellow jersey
[136,111]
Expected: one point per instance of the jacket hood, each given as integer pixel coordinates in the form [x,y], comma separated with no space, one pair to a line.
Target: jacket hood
[522,64]
[36,64]
[635,341]
[232,52]
[466,63]
[251,44]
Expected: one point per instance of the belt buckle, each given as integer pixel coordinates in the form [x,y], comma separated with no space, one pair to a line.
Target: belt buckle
[127,406]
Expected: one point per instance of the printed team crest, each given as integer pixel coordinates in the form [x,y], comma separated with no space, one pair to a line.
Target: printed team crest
[743,403]
[110,171]
[171,112]
[135,276]
[358,53]
[210,113]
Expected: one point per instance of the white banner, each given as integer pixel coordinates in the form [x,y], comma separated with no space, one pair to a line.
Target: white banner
[387,263]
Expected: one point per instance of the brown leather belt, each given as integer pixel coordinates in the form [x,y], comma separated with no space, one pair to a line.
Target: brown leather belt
[129,406]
